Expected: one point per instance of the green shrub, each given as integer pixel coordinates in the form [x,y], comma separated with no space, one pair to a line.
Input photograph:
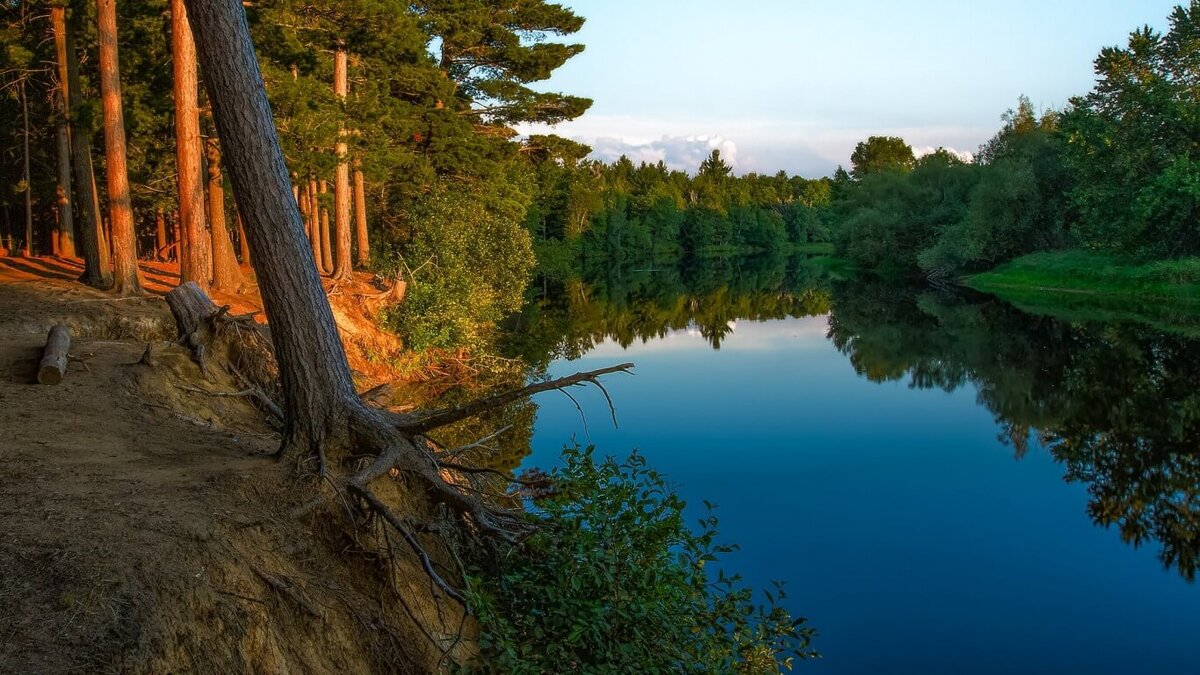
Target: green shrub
[615,582]
[467,267]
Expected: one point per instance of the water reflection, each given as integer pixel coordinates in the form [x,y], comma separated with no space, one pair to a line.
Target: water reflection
[1115,403]
[566,319]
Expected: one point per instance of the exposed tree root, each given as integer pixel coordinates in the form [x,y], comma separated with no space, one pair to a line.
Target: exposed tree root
[360,447]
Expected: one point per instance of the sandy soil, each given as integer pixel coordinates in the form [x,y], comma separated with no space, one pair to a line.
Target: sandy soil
[132,509]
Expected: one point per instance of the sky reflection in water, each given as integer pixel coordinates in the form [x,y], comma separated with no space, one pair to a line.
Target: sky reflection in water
[909,534]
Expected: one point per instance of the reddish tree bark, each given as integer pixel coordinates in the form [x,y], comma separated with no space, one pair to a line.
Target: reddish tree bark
[64,242]
[242,243]
[360,215]
[126,278]
[196,262]
[226,274]
[326,242]
[160,235]
[343,266]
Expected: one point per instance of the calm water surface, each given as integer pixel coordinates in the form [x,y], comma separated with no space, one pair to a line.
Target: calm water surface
[946,484]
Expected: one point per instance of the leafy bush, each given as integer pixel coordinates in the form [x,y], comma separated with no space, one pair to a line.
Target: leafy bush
[467,266]
[615,582]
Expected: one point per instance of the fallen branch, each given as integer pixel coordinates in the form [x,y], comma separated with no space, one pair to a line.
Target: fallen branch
[55,356]
[440,418]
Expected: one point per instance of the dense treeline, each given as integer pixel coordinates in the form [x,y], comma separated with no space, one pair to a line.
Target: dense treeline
[592,209]
[1115,171]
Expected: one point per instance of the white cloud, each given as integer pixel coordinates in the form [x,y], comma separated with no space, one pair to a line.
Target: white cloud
[799,146]
[964,155]
[684,153]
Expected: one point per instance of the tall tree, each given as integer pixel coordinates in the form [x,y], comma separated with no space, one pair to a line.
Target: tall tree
[97,266]
[881,153]
[319,395]
[493,49]
[126,278]
[66,218]
[362,241]
[344,264]
[225,272]
[196,261]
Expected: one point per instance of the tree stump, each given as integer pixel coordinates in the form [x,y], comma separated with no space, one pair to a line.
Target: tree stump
[195,316]
[56,356]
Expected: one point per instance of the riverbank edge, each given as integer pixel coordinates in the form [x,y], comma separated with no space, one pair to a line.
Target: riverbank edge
[1089,285]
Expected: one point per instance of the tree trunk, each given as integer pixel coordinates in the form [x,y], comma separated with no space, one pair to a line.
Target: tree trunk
[27,250]
[226,274]
[177,234]
[314,226]
[360,215]
[344,265]
[305,211]
[242,243]
[97,267]
[56,356]
[319,395]
[326,240]
[126,280]
[196,262]
[66,214]
[160,235]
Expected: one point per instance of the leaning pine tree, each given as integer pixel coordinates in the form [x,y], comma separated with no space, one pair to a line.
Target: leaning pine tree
[325,420]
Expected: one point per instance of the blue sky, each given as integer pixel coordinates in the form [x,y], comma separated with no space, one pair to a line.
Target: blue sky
[794,84]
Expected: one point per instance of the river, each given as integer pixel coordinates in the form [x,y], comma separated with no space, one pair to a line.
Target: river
[945,484]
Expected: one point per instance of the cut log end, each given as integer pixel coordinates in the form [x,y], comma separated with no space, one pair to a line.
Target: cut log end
[56,356]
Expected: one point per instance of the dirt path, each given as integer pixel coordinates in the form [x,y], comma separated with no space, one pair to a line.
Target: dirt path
[107,496]
[143,529]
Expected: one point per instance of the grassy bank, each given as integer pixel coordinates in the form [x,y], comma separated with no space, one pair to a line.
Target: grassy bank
[1085,285]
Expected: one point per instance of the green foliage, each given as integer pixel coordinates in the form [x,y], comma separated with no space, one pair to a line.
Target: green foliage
[1131,142]
[615,582]
[467,266]
[620,211]
[1098,273]
[881,153]
[945,216]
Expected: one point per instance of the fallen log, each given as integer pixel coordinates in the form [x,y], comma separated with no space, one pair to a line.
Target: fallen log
[56,356]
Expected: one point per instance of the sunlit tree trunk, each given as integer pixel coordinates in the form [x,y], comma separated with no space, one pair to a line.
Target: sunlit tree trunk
[160,235]
[302,202]
[177,234]
[126,280]
[66,213]
[326,240]
[96,263]
[360,214]
[343,266]
[226,274]
[65,241]
[242,241]
[195,259]
[314,224]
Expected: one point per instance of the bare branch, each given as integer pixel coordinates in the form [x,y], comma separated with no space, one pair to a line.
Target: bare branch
[440,418]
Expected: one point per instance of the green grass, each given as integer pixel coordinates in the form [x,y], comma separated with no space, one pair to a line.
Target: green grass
[1091,286]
